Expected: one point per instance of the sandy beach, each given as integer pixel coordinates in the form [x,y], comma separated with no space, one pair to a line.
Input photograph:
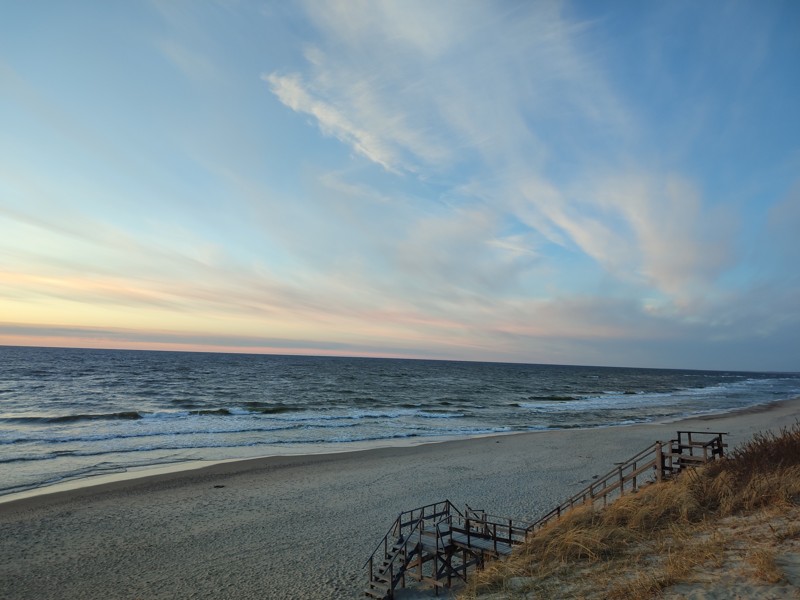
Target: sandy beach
[299,526]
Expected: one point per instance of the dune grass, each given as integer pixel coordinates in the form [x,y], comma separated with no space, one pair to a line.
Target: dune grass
[662,535]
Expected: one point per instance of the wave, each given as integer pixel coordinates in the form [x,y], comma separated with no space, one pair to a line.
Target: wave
[53,440]
[132,415]
[734,392]
[272,419]
[717,390]
[225,442]
[357,415]
[124,415]
[435,414]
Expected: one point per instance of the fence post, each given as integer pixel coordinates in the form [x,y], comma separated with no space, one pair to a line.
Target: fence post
[436,573]
[659,462]
[621,482]
[405,565]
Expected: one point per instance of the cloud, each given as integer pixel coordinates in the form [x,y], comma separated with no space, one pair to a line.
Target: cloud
[426,29]
[291,92]
[414,89]
[125,338]
[414,92]
[489,125]
[668,237]
[462,252]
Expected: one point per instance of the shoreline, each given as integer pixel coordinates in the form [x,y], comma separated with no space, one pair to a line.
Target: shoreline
[256,528]
[176,468]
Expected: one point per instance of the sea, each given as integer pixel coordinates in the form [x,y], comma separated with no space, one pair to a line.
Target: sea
[74,413]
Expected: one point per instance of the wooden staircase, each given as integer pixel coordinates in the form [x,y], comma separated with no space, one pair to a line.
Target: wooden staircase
[437,542]
[383,582]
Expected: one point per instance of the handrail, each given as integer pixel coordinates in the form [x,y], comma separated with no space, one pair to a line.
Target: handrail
[617,474]
[608,483]
[715,441]
[383,541]
[714,433]
[443,508]
[493,527]
[631,461]
[508,523]
[663,461]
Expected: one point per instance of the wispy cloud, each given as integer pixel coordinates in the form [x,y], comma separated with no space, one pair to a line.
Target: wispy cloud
[504,114]
[657,229]
[291,91]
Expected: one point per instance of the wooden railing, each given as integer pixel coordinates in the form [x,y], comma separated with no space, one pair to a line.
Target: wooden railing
[497,530]
[699,451]
[655,463]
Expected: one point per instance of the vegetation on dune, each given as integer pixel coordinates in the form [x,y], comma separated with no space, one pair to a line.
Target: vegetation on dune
[665,533]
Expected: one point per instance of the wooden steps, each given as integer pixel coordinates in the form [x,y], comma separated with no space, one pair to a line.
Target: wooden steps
[378,590]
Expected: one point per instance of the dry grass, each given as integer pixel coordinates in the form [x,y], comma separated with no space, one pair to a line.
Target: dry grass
[763,562]
[643,543]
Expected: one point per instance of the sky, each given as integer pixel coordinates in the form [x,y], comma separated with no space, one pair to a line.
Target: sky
[594,183]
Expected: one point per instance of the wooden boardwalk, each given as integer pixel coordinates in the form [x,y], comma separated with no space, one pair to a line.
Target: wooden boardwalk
[435,543]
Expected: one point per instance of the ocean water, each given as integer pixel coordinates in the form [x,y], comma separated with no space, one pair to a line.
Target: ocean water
[69,413]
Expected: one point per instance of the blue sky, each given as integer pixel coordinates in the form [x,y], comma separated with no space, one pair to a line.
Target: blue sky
[608,183]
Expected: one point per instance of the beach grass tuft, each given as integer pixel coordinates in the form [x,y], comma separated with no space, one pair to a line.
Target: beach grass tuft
[763,562]
[741,508]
